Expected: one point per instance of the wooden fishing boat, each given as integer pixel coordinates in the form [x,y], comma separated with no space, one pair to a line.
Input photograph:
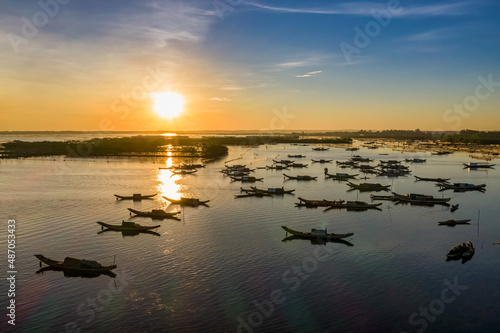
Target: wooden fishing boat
[296,156]
[317,203]
[283,161]
[461,251]
[298,165]
[273,190]
[461,187]
[354,205]
[193,165]
[68,273]
[440,153]
[369,186]
[322,160]
[320,148]
[253,194]
[277,167]
[422,199]
[393,172]
[438,180]
[357,158]
[246,179]
[341,176]
[316,233]
[184,171]
[478,165]
[452,222]
[383,197]
[154,214]
[127,226]
[135,197]
[300,177]
[415,160]
[346,163]
[75,264]
[193,202]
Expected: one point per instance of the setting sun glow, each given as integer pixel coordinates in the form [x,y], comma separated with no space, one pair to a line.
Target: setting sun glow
[168,105]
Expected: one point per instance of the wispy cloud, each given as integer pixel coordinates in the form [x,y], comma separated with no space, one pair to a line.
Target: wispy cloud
[367,9]
[220,99]
[309,74]
[429,35]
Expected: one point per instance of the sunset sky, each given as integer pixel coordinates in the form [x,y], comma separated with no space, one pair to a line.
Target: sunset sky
[250,65]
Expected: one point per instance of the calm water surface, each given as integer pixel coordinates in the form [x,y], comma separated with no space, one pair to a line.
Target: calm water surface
[225,268]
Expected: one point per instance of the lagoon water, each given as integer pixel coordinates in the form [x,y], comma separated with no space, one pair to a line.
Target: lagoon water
[225,268]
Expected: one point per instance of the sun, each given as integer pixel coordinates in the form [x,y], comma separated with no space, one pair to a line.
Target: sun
[168,105]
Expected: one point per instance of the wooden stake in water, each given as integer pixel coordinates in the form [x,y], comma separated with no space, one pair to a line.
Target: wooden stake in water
[478,214]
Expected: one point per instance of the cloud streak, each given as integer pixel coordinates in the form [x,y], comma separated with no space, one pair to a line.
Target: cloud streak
[367,9]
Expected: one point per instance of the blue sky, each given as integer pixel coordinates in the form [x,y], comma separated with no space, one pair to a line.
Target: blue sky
[329,64]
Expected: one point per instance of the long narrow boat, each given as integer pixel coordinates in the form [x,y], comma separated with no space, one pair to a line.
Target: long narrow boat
[277,167]
[155,214]
[300,177]
[369,186]
[478,165]
[127,226]
[296,156]
[452,222]
[341,176]
[462,187]
[421,199]
[273,190]
[382,197]
[316,233]
[75,264]
[253,194]
[320,148]
[193,202]
[184,171]
[322,160]
[298,165]
[438,180]
[135,197]
[317,203]
[354,205]
[246,179]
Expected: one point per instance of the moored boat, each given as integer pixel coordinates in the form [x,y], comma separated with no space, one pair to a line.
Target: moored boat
[184,171]
[154,214]
[246,179]
[127,226]
[340,176]
[438,180]
[75,264]
[422,199]
[193,202]
[322,160]
[317,233]
[300,177]
[355,205]
[463,251]
[296,156]
[369,186]
[273,190]
[452,222]
[135,196]
[462,187]
[478,165]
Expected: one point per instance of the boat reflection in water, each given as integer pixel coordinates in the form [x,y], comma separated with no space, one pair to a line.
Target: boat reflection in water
[317,241]
[73,273]
[130,232]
